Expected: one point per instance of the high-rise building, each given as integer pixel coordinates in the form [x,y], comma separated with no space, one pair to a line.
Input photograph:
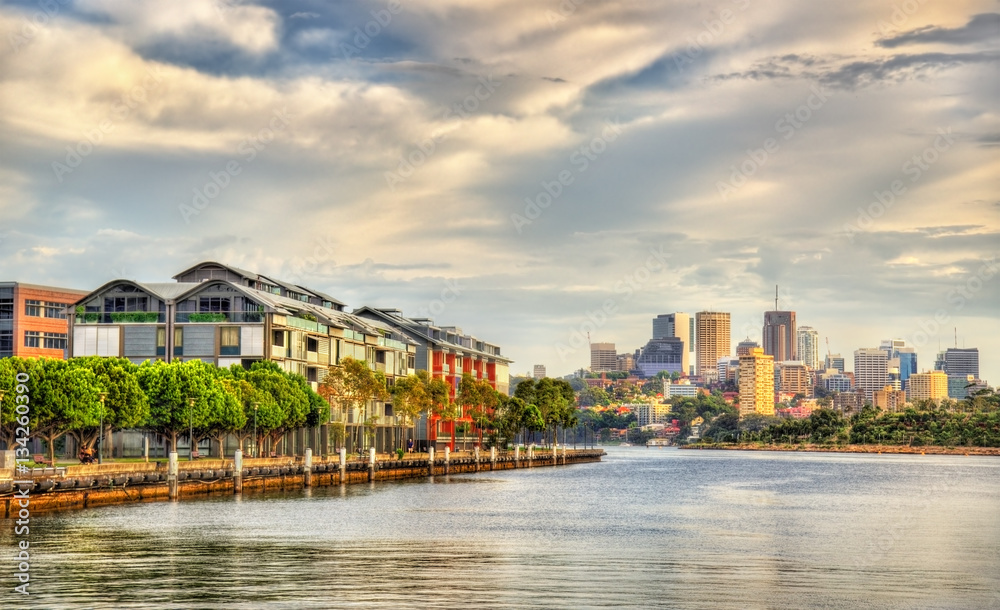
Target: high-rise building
[808,346]
[603,357]
[902,358]
[794,378]
[539,371]
[835,381]
[33,320]
[960,364]
[907,364]
[712,340]
[756,383]
[675,325]
[626,362]
[889,399]
[780,335]
[835,361]
[743,347]
[929,385]
[662,355]
[871,370]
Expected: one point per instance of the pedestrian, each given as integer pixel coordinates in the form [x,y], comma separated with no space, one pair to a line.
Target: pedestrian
[409,446]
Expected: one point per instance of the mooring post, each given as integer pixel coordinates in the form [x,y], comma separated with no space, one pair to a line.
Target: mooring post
[238,472]
[145,449]
[430,461]
[476,451]
[447,459]
[531,454]
[343,464]
[493,458]
[307,470]
[371,463]
[564,454]
[172,475]
[517,456]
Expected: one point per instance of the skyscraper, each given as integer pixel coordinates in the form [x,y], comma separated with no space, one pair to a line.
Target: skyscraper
[808,346]
[780,335]
[712,341]
[675,325]
[907,364]
[871,370]
[743,347]
[539,371]
[603,357]
[931,385]
[960,364]
[835,361]
[756,383]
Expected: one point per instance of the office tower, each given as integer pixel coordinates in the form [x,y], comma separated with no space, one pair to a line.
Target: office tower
[712,341]
[807,340]
[664,355]
[835,361]
[835,381]
[960,364]
[539,371]
[756,383]
[871,370]
[675,325]
[603,357]
[939,362]
[794,378]
[930,385]
[743,347]
[907,364]
[780,335]
[891,345]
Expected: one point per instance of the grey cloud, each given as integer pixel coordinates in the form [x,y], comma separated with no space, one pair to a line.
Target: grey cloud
[982,27]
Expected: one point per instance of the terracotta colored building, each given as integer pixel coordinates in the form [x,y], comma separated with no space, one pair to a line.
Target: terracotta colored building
[33,320]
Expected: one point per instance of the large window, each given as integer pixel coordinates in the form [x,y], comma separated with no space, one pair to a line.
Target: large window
[229,341]
[119,304]
[55,310]
[6,342]
[54,340]
[33,308]
[161,341]
[213,304]
[32,338]
[6,309]
[178,341]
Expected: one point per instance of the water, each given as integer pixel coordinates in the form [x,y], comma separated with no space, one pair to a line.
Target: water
[646,528]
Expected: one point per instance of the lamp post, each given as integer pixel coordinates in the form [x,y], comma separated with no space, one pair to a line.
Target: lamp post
[191,429]
[255,405]
[1,407]
[100,442]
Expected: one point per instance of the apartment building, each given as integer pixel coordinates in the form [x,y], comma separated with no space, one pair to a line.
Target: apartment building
[33,320]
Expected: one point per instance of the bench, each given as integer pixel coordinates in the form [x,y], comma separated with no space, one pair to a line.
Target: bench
[38,458]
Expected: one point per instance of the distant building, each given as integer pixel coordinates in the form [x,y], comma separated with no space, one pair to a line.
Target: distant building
[675,325]
[960,364]
[907,357]
[871,370]
[835,381]
[712,341]
[650,413]
[930,385]
[603,357]
[958,387]
[780,335]
[626,362]
[835,361]
[662,355]
[539,372]
[849,402]
[756,383]
[743,347]
[33,320]
[682,388]
[889,399]
[795,378]
[808,346]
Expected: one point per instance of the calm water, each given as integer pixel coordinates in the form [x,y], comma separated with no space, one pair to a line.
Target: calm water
[645,528]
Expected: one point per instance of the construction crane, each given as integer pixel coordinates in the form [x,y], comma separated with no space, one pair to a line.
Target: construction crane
[828,353]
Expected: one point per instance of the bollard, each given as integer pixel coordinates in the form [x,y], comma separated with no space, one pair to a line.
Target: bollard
[430,461]
[172,475]
[493,458]
[517,456]
[476,451]
[371,464]
[343,464]
[564,455]
[145,449]
[307,470]
[447,459]
[238,472]
[531,454]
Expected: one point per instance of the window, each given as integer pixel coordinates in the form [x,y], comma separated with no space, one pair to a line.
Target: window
[411,361]
[213,304]
[161,341]
[54,341]
[229,341]
[178,341]
[312,345]
[32,338]
[279,338]
[6,342]
[380,357]
[120,304]
[33,308]
[388,409]
[311,374]
[56,310]
[6,309]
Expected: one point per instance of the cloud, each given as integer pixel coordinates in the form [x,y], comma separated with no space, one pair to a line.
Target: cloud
[304,15]
[981,28]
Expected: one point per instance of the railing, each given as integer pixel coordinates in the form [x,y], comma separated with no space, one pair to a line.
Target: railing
[386,342]
[315,327]
[121,317]
[219,317]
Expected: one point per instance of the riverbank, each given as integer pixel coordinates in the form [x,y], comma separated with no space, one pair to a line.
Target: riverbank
[75,487]
[924,450]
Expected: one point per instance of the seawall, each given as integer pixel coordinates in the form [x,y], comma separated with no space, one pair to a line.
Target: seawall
[75,487]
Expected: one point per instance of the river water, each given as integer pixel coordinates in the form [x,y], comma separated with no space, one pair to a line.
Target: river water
[645,528]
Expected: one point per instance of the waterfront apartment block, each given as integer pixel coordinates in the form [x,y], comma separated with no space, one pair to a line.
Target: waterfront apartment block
[871,370]
[929,385]
[33,320]
[712,341]
[650,413]
[756,383]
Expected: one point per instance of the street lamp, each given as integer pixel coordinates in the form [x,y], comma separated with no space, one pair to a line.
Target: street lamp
[255,405]
[100,442]
[191,429]
[1,406]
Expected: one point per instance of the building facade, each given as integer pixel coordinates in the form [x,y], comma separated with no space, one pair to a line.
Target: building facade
[871,370]
[795,378]
[780,335]
[807,345]
[34,320]
[930,385]
[743,347]
[603,357]
[539,371]
[756,383]
[835,361]
[960,364]
[712,341]
[889,399]
[678,325]
[662,355]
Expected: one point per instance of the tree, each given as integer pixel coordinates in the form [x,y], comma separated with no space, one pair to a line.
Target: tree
[353,385]
[291,400]
[169,389]
[410,398]
[125,404]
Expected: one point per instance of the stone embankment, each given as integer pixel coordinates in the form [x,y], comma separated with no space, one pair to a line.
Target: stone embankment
[924,450]
[73,487]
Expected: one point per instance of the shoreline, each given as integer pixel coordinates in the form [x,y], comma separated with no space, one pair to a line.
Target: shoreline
[877,449]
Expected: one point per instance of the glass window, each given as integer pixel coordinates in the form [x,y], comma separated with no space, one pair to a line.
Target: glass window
[54,341]
[229,340]
[213,304]
[6,342]
[161,341]
[33,308]
[122,304]
[32,338]
[56,310]
[6,309]
[179,341]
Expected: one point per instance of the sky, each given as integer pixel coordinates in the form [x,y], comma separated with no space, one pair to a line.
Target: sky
[530,171]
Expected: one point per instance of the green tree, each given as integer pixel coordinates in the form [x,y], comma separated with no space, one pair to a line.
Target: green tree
[353,385]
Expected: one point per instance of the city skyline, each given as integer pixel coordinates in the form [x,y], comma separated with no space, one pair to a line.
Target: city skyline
[498,174]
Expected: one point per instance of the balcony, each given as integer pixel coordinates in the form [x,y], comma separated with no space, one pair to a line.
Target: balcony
[385,342]
[308,325]
[219,317]
[121,317]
